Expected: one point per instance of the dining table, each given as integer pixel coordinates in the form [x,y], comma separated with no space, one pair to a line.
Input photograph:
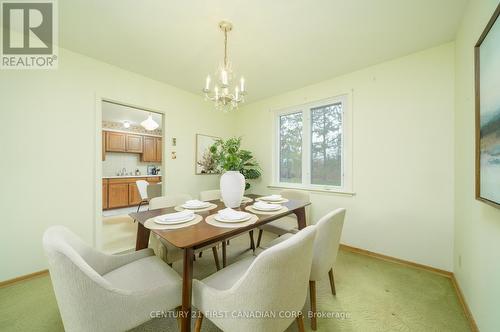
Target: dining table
[202,234]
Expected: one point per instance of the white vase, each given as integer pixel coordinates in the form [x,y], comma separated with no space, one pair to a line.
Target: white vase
[232,187]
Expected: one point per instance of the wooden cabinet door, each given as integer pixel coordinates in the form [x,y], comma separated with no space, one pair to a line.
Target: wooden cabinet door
[117,195]
[134,143]
[134,198]
[116,142]
[103,146]
[159,150]
[149,152]
[104,195]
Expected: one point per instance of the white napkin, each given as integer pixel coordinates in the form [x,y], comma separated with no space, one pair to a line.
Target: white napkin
[259,205]
[272,198]
[194,203]
[230,214]
[176,216]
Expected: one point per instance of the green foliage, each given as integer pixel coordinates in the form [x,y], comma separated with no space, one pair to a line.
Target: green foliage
[228,156]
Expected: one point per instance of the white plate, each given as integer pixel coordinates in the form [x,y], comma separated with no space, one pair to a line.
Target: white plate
[174,222]
[273,209]
[189,207]
[218,218]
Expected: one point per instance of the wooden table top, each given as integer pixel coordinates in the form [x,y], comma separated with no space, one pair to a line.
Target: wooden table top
[203,234]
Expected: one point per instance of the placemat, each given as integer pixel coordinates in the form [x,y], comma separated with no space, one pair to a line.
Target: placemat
[208,208]
[284,200]
[244,200]
[251,209]
[211,220]
[150,223]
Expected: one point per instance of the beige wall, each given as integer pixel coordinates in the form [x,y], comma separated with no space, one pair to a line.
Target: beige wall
[477,225]
[48,148]
[403,154]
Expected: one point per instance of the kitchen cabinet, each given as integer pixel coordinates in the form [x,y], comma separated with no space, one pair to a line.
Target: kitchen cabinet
[103,146]
[104,193]
[149,149]
[117,195]
[134,198]
[159,150]
[123,192]
[116,142]
[134,143]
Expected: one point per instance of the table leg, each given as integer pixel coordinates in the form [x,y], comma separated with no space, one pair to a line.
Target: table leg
[142,240]
[187,283]
[224,260]
[301,217]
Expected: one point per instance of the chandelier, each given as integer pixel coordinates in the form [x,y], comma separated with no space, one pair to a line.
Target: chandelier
[225,93]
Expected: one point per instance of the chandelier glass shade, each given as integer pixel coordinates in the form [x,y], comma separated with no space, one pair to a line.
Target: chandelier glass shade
[224,90]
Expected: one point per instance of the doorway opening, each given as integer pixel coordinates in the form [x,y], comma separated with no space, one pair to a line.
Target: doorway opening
[132,170]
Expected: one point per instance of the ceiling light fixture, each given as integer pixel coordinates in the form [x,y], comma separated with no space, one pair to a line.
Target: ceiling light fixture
[224,95]
[149,123]
[126,124]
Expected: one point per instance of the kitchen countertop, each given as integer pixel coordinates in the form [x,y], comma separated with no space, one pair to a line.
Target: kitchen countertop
[130,176]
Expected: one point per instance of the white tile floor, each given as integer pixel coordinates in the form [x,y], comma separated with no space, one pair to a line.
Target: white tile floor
[126,210]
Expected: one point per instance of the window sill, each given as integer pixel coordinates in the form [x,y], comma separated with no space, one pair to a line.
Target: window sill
[312,189]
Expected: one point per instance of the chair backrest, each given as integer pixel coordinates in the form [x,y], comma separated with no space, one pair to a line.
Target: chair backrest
[168,201]
[326,245]
[299,195]
[142,186]
[276,281]
[210,195]
[154,190]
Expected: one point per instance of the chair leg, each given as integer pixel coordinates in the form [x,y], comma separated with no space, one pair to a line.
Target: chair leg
[332,282]
[312,294]
[300,323]
[139,207]
[259,238]
[197,324]
[252,243]
[216,257]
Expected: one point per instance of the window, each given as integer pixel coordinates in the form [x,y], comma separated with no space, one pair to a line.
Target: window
[313,149]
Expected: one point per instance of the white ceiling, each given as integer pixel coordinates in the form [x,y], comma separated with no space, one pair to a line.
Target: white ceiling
[277,45]
[119,113]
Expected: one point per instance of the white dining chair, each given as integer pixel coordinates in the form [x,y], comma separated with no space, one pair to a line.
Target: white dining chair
[142,187]
[287,224]
[100,292]
[163,249]
[210,195]
[326,247]
[274,282]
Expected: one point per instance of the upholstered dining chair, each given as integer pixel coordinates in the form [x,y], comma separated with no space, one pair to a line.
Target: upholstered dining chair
[326,247]
[210,195]
[142,187]
[166,251]
[273,282]
[100,292]
[287,224]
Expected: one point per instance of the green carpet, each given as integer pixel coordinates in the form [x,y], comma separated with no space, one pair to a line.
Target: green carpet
[374,295]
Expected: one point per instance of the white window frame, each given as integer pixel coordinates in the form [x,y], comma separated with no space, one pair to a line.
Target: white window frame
[347,153]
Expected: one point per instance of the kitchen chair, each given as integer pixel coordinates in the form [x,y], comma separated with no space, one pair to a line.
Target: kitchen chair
[142,187]
[154,190]
[287,224]
[99,292]
[326,247]
[212,195]
[273,282]
[166,251]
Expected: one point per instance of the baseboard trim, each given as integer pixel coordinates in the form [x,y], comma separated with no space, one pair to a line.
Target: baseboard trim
[24,277]
[465,306]
[444,273]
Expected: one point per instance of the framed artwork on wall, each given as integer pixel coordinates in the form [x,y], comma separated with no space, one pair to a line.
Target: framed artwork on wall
[487,88]
[204,162]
